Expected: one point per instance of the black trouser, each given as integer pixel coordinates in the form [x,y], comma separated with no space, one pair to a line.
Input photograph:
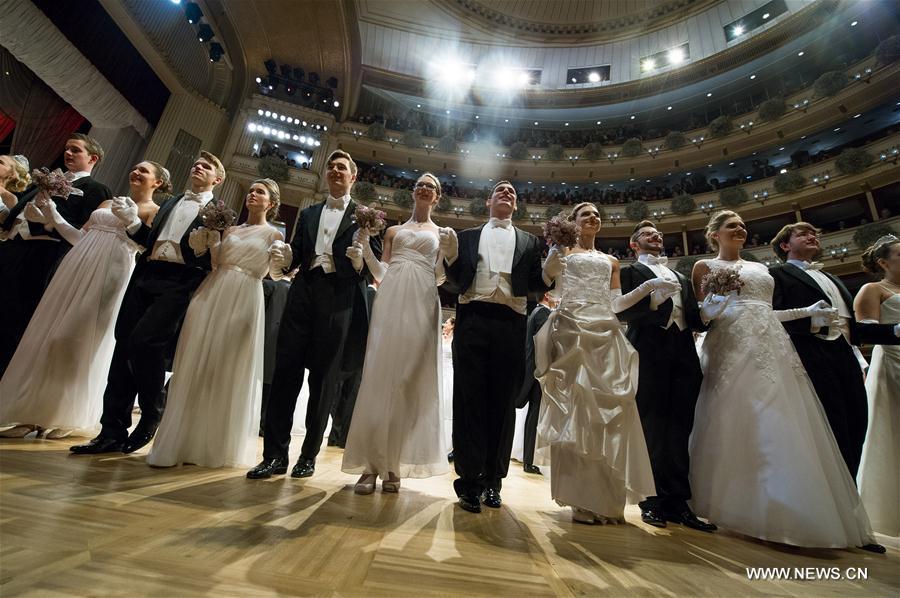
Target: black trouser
[668,384]
[531,421]
[314,330]
[148,322]
[838,380]
[488,361]
[26,268]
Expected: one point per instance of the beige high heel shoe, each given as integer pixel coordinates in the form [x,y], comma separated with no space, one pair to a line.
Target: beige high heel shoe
[57,433]
[392,484]
[21,431]
[366,484]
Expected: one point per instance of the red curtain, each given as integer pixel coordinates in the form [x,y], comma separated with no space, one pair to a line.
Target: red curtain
[7,124]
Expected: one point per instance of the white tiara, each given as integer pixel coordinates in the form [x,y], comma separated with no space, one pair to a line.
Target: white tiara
[21,160]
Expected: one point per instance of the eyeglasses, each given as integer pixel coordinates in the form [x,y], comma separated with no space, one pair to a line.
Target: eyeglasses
[651,234]
[424,185]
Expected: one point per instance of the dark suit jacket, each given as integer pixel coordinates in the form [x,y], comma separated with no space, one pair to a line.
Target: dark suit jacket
[536,321]
[795,288]
[75,209]
[526,270]
[640,314]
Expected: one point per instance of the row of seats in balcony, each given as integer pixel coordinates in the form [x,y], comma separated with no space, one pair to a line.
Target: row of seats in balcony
[438,126]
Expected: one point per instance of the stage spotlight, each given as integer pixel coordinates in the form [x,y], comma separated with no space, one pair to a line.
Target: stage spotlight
[271,67]
[332,82]
[676,56]
[337,104]
[193,12]
[648,65]
[258,80]
[286,71]
[738,30]
[290,89]
[524,79]
[594,77]
[299,73]
[204,32]
[314,78]
[215,52]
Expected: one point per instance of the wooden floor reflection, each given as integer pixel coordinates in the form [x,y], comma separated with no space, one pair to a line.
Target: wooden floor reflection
[111,525]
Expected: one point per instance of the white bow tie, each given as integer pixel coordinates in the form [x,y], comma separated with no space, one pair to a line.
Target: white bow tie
[814,266]
[190,195]
[653,260]
[335,203]
[496,222]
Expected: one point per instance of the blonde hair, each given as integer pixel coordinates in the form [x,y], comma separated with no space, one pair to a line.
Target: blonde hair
[715,223]
[274,197]
[437,183]
[20,178]
[217,164]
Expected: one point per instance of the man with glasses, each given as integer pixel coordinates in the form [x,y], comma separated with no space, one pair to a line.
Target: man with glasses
[494,268]
[826,346]
[660,329]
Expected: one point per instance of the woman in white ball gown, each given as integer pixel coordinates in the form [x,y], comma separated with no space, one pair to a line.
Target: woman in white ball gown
[212,412]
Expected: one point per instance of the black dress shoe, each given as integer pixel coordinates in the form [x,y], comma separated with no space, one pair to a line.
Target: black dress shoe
[470,503]
[653,518]
[450,456]
[528,468]
[491,498]
[267,468]
[688,519]
[137,441]
[876,548]
[100,444]
[304,468]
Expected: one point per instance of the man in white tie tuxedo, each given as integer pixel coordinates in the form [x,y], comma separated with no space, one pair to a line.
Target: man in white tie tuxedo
[660,327]
[826,347]
[165,277]
[325,317]
[493,268]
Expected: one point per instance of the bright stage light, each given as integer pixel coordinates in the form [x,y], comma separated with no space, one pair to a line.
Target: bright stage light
[648,65]
[738,30]
[676,56]
[594,77]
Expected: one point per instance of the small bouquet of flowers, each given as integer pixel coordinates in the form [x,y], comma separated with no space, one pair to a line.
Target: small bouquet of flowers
[55,183]
[370,219]
[561,231]
[216,216]
[722,281]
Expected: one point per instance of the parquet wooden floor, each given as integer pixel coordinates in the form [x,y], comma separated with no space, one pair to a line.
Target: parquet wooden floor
[111,525]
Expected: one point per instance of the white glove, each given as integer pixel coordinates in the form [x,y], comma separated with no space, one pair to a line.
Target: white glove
[33,214]
[659,297]
[897,330]
[280,258]
[449,244]
[822,315]
[713,306]
[197,241]
[355,253]
[126,210]
[554,265]
[361,236]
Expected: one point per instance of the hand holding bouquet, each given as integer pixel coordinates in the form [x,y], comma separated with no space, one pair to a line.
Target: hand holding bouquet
[54,184]
[370,219]
[722,281]
[561,231]
[216,216]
